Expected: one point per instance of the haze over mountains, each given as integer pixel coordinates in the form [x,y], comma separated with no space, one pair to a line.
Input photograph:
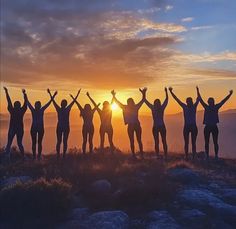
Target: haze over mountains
[174,124]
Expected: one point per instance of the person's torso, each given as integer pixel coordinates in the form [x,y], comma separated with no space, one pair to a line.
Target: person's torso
[16,118]
[37,117]
[88,118]
[130,115]
[211,116]
[64,117]
[158,117]
[189,115]
[106,117]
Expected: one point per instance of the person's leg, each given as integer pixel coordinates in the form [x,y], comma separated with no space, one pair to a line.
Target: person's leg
[207,138]
[215,133]
[84,133]
[131,138]
[59,139]
[194,133]
[91,133]
[156,139]
[40,141]
[186,140]
[163,138]
[19,136]
[11,135]
[102,137]
[33,134]
[138,131]
[110,138]
[65,141]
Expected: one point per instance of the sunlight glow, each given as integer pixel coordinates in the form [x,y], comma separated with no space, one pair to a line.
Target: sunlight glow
[114,106]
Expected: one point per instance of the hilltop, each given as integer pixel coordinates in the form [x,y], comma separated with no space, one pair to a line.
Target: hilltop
[104,190]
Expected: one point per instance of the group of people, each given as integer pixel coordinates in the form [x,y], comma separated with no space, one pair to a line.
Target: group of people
[131,119]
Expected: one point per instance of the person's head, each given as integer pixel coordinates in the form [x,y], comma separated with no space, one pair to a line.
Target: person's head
[87,107]
[37,105]
[17,105]
[63,103]
[211,101]
[130,102]
[189,101]
[157,103]
[106,105]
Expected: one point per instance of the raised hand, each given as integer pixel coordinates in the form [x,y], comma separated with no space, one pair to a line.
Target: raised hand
[231,92]
[113,92]
[170,89]
[72,96]
[166,89]
[24,91]
[6,90]
[78,92]
[55,93]
[87,93]
[143,91]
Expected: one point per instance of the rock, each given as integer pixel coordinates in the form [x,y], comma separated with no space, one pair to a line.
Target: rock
[193,217]
[79,213]
[10,181]
[107,220]
[229,195]
[184,175]
[208,202]
[162,220]
[101,187]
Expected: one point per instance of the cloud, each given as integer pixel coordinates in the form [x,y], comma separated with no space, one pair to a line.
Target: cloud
[187,19]
[202,27]
[168,7]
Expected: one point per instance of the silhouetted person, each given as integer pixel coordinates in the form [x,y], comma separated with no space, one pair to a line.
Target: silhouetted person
[130,113]
[37,127]
[159,127]
[63,124]
[211,118]
[87,114]
[105,115]
[190,126]
[16,126]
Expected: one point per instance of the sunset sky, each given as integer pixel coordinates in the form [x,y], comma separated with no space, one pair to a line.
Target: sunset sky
[101,45]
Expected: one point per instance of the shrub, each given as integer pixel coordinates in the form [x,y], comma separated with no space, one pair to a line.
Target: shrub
[35,199]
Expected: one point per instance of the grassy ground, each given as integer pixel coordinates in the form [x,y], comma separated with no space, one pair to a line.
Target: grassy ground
[146,182]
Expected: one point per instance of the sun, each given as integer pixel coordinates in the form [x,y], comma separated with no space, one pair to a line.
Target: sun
[114,106]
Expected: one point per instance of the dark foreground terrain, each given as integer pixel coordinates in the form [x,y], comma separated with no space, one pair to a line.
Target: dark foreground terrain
[113,191]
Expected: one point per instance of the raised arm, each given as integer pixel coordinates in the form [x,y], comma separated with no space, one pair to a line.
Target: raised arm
[78,104]
[148,104]
[24,107]
[200,99]
[53,100]
[93,102]
[122,106]
[220,104]
[140,103]
[166,99]
[175,97]
[74,100]
[96,107]
[9,103]
[197,99]
[30,105]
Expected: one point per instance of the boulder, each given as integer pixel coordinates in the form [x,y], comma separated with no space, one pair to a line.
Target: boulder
[10,181]
[107,220]
[208,202]
[162,220]
[101,187]
[193,217]
[184,175]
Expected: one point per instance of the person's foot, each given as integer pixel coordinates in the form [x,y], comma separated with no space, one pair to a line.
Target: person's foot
[186,157]
[216,157]
[58,156]
[142,155]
